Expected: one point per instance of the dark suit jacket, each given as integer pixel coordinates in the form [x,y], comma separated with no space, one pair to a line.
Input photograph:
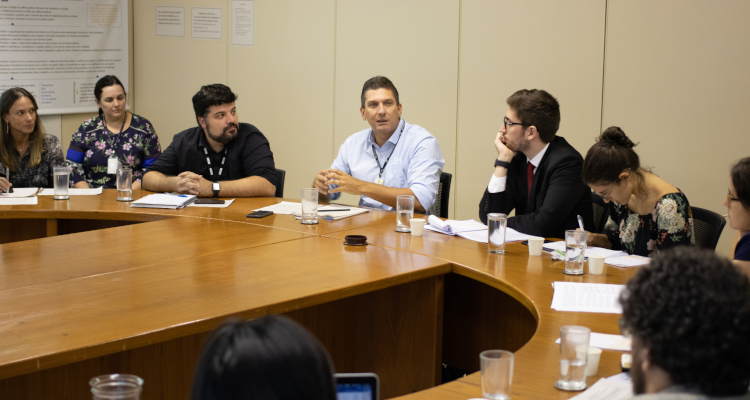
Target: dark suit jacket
[558,195]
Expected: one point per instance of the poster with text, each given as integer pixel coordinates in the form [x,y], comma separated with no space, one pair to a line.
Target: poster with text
[58,49]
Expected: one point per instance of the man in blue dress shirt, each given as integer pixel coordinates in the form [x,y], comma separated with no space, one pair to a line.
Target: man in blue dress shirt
[392,158]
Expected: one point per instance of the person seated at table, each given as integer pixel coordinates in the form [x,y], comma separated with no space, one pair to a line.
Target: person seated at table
[219,157]
[651,215]
[26,151]
[391,158]
[270,358]
[537,173]
[688,314]
[738,212]
[115,138]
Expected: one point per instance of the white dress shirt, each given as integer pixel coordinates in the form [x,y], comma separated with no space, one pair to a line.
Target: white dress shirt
[497,185]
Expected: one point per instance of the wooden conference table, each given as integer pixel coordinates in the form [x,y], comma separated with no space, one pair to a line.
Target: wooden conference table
[90,286]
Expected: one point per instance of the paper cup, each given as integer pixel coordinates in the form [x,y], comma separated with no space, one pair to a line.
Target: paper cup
[596,265]
[535,246]
[592,364]
[417,226]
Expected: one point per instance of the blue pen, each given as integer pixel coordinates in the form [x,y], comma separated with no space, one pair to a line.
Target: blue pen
[175,194]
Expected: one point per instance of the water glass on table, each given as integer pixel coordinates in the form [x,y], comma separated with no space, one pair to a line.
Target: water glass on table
[497,373]
[116,386]
[574,344]
[496,224]
[404,212]
[62,182]
[124,184]
[310,206]
[575,249]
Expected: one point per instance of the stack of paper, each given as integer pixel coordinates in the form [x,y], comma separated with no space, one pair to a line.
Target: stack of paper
[164,200]
[607,389]
[590,251]
[470,229]
[628,261]
[607,342]
[587,297]
[74,192]
[295,209]
[20,196]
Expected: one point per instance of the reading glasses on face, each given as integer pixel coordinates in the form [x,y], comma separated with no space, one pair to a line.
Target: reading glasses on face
[606,196]
[730,199]
[507,122]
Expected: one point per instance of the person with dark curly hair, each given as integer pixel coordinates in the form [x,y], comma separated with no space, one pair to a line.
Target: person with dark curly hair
[689,317]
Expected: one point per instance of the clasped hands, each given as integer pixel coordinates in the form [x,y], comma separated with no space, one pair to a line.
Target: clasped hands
[192,183]
[345,182]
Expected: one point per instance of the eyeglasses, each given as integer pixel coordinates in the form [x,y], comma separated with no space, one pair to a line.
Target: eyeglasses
[507,122]
[606,196]
[730,199]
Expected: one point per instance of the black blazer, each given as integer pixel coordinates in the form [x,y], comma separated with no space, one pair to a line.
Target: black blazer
[558,195]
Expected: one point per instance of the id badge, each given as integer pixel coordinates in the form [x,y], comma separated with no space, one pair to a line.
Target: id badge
[112,165]
[379,181]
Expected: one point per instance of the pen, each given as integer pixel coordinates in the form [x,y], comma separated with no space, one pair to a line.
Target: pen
[560,253]
[343,209]
[175,194]
[580,222]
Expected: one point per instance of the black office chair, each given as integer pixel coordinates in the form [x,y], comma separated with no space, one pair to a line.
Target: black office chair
[601,212]
[707,226]
[280,175]
[444,194]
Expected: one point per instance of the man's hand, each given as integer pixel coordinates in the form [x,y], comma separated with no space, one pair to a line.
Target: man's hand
[346,183]
[192,183]
[320,182]
[503,152]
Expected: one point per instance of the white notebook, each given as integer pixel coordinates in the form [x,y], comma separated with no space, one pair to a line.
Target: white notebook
[164,200]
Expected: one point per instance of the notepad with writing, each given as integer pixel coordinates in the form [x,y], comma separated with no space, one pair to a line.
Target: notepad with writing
[163,200]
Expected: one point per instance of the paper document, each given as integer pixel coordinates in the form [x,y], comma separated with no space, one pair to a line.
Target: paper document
[226,204]
[606,389]
[587,297]
[295,209]
[453,227]
[20,192]
[590,251]
[607,342]
[74,192]
[19,201]
[164,200]
[628,261]
[285,207]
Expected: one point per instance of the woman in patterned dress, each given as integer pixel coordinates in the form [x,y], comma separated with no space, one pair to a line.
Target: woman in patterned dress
[25,150]
[114,133]
[647,214]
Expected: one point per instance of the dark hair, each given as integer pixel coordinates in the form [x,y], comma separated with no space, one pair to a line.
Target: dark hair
[36,138]
[741,180]
[379,82]
[611,155]
[691,309]
[211,95]
[106,81]
[539,108]
[271,358]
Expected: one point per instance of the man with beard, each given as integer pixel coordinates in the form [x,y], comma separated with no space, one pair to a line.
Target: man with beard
[688,314]
[536,173]
[220,157]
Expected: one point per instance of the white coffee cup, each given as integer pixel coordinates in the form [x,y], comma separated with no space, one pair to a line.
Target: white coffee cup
[535,246]
[417,226]
[592,364]
[596,265]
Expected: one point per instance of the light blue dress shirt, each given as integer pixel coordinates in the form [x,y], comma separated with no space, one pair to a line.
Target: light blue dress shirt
[416,163]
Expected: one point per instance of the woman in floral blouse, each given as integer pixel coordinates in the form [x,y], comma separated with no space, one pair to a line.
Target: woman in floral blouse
[650,214]
[114,133]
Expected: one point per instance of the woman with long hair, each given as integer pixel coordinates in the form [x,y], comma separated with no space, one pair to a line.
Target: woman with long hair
[738,211]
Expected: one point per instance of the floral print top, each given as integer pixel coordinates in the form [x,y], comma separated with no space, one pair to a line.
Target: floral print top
[41,174]
[92,145]
[669,224]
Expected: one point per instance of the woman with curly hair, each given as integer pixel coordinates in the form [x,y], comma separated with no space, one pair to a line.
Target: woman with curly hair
[649,214]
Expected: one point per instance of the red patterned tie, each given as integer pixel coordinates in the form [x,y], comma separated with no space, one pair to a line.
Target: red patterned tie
[529,180]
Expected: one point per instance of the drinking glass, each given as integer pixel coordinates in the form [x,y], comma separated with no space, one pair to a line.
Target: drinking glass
[496,224]
[497,373]
[62,182]
[575,247]
[124,184]
[404,212]
[116,387]
[574,344]
[310,206]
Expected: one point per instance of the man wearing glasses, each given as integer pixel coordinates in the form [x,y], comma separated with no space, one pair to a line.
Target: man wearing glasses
[536,172]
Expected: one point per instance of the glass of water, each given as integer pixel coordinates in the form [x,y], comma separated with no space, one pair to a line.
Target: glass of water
[404,212]
[310,206]
[575,247]
[574,344]
[497,373]
[124,184]
[496,224]
[116,386]
[61,182]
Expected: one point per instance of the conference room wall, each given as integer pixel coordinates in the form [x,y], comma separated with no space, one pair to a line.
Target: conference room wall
[676,81]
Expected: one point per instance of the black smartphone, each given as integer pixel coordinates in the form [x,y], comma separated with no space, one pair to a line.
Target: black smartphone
[208,201]
[260,214]
[526,242]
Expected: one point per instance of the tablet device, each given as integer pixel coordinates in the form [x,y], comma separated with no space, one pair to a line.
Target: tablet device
[358,386]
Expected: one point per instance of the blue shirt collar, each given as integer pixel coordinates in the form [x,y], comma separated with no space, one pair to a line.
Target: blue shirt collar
[393,139]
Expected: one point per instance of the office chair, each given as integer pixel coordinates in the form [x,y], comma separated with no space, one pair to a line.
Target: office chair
[280,176]
[444,194]
[707,226]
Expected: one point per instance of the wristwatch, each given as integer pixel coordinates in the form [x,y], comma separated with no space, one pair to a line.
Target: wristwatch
[505,164]
[216,187]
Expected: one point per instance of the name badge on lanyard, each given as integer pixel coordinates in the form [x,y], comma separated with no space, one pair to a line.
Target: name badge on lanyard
[379,181]
[113,164]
